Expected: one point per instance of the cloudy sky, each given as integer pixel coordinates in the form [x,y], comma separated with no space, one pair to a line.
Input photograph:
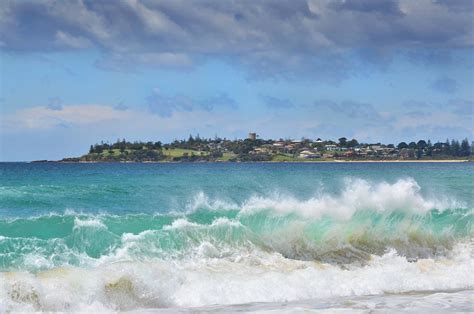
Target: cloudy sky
[73,73]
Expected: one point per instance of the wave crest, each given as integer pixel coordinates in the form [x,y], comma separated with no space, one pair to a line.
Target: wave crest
[356,195]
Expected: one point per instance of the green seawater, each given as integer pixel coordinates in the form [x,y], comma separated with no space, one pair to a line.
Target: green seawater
[355,222]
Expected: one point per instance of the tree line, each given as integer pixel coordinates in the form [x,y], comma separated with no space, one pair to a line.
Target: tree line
[245,149]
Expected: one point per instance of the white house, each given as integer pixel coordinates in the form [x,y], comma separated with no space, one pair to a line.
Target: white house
[308,154]
[331,147]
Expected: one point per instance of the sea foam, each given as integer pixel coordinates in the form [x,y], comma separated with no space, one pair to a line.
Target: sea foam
[135,285]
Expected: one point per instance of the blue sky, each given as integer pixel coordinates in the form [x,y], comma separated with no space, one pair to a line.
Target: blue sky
[77,72]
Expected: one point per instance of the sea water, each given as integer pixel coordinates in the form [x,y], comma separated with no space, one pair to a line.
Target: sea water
[236,237]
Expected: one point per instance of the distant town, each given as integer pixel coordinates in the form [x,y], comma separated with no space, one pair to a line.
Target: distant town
[255,149]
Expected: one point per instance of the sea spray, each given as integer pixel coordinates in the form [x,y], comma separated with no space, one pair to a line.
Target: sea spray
[195,248]
[263,277]
[377,218]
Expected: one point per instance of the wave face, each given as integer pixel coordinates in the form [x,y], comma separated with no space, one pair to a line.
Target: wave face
[369,238]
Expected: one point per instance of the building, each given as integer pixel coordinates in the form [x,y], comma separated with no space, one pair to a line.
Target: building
[309,154]
[331,147]
[407,153]
[252,136]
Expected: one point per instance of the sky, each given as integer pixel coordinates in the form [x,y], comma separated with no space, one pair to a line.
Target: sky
[74,73]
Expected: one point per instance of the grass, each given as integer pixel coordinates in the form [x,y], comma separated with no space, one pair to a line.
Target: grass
[283,157]
[179,152]
[226,156]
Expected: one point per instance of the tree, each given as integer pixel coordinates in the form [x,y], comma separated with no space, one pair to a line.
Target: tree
[91,149]
[455,148]
[429,149]
[352,143]
[421,144]
[98,149]
[149,145]
[465,148]
[343,142]
[447,147]
[402,145]
[412,145]
[191,140]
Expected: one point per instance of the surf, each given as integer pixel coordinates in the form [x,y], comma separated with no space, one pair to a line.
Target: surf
[370,238]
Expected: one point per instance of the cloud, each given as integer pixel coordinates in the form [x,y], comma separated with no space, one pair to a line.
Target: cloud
[165,106]
[70,130]
[462,107]
[120,106]
[70,41]
[276,103]
[43,133]
[457,5]
[445,85]
[349,109]
[37,118]
[55,103]
[283,39]
[219,101]
[386,7]
[128,62]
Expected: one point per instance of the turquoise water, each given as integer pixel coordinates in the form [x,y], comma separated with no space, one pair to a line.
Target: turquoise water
[137,236]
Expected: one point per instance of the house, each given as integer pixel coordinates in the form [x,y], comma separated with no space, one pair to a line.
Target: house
[318,141]
[407,153]
[330,147]
[349,153]
[260,150]
[308,154]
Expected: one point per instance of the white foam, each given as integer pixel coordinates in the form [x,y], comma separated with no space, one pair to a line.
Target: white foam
[224,221]
[180,224]
[262,277]
[202,201]
[357,194]
[128,237]
[91,223]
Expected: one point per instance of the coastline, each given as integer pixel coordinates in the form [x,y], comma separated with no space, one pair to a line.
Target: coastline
[262,162]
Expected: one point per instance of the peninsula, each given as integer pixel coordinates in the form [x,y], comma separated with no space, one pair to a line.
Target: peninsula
[254,149]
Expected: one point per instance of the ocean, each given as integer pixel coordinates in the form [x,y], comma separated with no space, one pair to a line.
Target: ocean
[232,237]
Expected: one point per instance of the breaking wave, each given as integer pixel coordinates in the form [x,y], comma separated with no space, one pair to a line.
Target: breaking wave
[370,238]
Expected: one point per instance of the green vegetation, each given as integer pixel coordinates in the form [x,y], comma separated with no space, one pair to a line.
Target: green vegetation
[196,149]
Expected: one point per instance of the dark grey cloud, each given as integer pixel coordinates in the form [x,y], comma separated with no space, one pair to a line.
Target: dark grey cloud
[165,105]
[276,39]
[445,85]
[388,7]
[457,5]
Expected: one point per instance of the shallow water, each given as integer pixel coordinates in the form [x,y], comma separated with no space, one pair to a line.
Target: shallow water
[236,237]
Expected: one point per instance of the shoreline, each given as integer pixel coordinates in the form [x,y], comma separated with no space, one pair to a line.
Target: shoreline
[258,162]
